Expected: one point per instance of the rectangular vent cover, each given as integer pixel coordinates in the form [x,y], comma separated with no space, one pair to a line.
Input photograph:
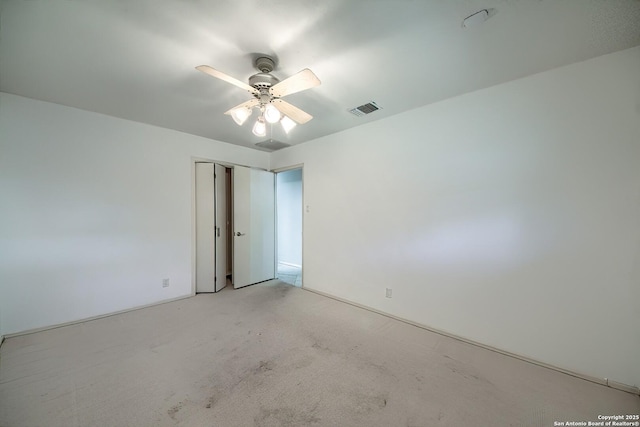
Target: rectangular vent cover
[364,109]
[272,145]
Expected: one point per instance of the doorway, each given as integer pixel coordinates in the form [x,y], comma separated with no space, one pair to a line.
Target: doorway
[289,226]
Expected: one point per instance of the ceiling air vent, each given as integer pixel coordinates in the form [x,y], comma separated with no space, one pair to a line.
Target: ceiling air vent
[364,109]
[272,145]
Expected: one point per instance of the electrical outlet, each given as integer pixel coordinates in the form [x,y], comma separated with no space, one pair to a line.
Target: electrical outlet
[165,283]
[388,293]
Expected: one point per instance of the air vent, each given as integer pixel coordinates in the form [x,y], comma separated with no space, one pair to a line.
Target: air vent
[364,109]
[272,145]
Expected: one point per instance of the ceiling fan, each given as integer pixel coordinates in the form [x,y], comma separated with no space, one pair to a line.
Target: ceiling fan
[267,92]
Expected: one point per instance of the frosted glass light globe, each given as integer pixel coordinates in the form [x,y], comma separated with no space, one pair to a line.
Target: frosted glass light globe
[271,114]
[260,128]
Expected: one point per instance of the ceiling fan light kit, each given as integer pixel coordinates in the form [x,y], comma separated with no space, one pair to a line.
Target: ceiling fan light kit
[240,115]
[287,124]
[260,127]
[271,114]
[267,91]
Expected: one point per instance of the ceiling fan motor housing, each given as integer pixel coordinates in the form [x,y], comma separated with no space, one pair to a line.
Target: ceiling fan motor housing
[264,64]
[262,81]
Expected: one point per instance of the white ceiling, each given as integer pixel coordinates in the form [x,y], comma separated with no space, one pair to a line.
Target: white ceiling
[135,59]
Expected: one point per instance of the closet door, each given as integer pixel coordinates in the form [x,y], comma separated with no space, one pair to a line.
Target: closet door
[220,177]
[205,228]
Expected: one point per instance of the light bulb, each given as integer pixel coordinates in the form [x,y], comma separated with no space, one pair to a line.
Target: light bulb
[260,128]
[271,114]
[240,115]
[287,124]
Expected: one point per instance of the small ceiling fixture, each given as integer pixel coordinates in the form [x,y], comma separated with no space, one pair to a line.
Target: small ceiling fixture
[477,18]
[364,109]
[272,145]
[267,91]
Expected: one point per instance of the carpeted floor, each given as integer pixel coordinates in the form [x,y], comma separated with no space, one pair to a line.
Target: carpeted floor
[276,355]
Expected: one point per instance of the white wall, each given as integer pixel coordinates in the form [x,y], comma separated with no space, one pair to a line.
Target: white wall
[96,211]
[289,205]
[509,216]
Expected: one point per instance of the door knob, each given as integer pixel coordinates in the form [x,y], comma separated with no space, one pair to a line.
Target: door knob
[239,234]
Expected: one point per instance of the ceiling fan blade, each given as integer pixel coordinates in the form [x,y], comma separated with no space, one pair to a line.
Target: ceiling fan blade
[294,113]
[227,78]
[303,80]
[249,104]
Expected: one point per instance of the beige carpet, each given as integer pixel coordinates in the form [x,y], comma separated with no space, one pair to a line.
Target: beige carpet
[276,355]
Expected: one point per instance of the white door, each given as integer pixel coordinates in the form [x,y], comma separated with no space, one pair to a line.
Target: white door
[254,226]
[205,227]
[221,227]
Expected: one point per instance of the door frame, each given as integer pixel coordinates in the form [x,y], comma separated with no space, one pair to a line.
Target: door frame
[277,171]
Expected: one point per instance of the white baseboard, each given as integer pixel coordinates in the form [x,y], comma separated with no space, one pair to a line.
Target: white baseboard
[88,319]
[289,264]
[603,381]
